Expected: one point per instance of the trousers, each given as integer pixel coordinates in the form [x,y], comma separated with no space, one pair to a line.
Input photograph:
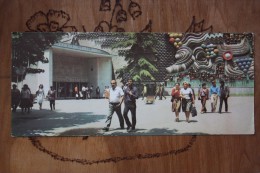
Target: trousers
[114,108]
[132,107]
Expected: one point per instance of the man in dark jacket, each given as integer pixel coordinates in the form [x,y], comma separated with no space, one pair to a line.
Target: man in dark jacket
[223,95]
[130,96]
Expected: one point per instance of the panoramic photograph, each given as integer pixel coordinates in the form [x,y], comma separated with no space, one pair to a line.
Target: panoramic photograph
[126,83]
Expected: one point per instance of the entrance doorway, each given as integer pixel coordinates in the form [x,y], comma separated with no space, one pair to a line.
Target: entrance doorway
[65,90]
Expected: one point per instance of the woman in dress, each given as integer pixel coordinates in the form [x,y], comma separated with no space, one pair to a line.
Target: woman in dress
[203,96]
[176,101]
[40,96]
[187,100]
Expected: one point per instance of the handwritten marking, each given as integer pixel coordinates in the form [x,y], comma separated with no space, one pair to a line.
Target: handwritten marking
[37,144]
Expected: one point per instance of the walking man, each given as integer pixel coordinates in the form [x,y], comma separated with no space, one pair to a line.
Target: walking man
[115,97]
[51,97]
[131,95]
[161,92]
[213,93]
[157,90]
[223,95]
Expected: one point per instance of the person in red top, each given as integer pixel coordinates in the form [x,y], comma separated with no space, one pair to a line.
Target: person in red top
[176,101]
[76,90]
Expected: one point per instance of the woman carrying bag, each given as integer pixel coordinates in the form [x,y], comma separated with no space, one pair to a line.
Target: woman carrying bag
[187,100]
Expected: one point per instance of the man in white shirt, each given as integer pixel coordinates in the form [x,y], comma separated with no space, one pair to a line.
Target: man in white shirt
[83,91]
[115,97]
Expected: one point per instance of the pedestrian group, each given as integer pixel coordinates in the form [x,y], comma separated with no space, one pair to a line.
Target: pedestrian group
[185,98]
[182,98]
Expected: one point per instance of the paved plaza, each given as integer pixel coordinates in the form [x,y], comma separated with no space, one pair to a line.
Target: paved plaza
[87,117]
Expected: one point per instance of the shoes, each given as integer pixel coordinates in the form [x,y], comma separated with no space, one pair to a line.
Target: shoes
[128,127]
[131,129]
[177,120]
[188,121]
[105,129]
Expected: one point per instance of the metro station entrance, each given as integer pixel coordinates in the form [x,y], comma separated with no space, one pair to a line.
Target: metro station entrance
[72,66]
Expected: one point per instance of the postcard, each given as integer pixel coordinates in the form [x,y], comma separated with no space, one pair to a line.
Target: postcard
[124,84]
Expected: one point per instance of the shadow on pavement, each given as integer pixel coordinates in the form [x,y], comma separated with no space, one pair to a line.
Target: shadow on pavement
[81,132]
[144,132]
[39,122]
[191,121]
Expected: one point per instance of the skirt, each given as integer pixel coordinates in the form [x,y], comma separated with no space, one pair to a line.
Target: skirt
[176,105]
[186,105]
[25,103]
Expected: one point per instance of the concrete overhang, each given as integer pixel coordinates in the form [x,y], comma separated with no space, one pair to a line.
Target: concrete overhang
[79,51]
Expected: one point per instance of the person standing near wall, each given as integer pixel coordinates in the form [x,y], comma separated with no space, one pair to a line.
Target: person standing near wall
[223,95]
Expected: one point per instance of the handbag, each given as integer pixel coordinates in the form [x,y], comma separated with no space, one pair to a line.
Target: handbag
[193,111]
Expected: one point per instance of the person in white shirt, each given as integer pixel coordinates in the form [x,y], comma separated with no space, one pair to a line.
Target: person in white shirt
[187,100]
[115,97]
[83,91]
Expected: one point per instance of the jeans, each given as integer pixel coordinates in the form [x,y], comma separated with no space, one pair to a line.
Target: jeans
[114,108]
[132,107]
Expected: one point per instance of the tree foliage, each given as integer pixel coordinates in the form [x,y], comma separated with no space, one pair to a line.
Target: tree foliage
[137,48]
[140,54]
[28,49]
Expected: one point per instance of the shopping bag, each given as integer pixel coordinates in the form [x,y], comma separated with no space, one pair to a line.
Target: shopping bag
[193,111]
